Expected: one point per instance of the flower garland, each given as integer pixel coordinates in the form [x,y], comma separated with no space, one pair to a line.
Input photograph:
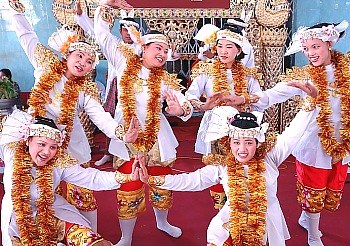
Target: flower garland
[220,81]
[318,76]
[247,221]
[40,96]
[42,231]
[146,139]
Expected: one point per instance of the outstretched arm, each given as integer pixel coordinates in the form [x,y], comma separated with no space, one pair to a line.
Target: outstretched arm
[26,36]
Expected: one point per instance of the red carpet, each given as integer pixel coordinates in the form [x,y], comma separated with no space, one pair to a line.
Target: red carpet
[192,211]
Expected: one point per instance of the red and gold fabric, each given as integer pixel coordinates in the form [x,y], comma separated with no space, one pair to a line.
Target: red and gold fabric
[318,188]
[160,198]
[82,198]
[78,235]
[218,196]
[130,196]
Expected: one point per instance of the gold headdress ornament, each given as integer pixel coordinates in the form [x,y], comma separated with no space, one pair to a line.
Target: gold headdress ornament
[330,33]
[230,36]
[220,125]
[150,38]
[125,15]
[21,125]
[66,41]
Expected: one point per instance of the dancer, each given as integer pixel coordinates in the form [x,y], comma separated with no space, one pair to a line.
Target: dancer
[61,91]
[225,75]
[322,154]
[110,99]
[32,213]
[142,86]
[248,173]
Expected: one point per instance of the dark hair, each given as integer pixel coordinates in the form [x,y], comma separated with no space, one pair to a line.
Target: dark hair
[45,121]
[127,19]
[245,120]
[7,73]
[235,29]
[320,25]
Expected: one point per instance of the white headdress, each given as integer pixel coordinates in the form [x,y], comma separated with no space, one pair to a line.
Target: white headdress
[230,36]
[20,125]
[330,33]
[64,41]
[220,125]
[125,15]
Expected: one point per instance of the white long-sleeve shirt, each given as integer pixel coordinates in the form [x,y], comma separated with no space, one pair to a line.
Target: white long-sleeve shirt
[309,150]
[89,178]
[204,83]
[276,231]
[166,138]
[78,145]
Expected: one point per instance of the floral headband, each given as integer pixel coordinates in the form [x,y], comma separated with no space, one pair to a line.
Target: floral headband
[64,41]
[230,36]
[220,125]
[330,33]
[150,38]
[21,125]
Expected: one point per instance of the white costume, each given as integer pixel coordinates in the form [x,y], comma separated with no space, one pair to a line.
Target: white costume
[89,178]
[309,150]
[204,84]
[276,231]
[166,138]
[88,26]
[78,145]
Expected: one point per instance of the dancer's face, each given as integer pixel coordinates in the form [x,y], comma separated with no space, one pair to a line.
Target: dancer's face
[155,55]
[42,149]
[79,63]
[243,148]
[317,52]
[227,51]
[125,36]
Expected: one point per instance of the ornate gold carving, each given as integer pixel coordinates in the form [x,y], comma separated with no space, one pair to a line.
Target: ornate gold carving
[179,31]
[272,13]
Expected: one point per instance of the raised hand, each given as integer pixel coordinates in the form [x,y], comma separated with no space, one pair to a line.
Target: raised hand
[143,174]
[173,104]
[133,131]
[307,87]
[134,175]
[117,4]
[233,101]
[212,101]
[78,6]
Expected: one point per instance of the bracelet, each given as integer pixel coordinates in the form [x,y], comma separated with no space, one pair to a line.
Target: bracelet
[156,180]
[122,178]
[17,6]
[106,14]
[308,104]
[246,99]
[186,108]
[120,132]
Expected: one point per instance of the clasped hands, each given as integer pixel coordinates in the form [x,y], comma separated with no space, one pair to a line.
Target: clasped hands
[139,169]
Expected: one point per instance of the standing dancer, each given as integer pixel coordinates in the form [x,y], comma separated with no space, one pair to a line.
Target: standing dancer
[249,172]
[322,154]
[142,87]
[61,91]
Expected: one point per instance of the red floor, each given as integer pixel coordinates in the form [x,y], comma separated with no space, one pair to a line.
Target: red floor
[192,211]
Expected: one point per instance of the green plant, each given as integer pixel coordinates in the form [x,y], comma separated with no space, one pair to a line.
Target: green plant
[7,89]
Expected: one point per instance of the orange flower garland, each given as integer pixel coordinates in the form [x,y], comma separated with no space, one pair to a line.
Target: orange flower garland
[42,231]
[40,96]
[220,80]
[318,76]
[247,221]
[146,139]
